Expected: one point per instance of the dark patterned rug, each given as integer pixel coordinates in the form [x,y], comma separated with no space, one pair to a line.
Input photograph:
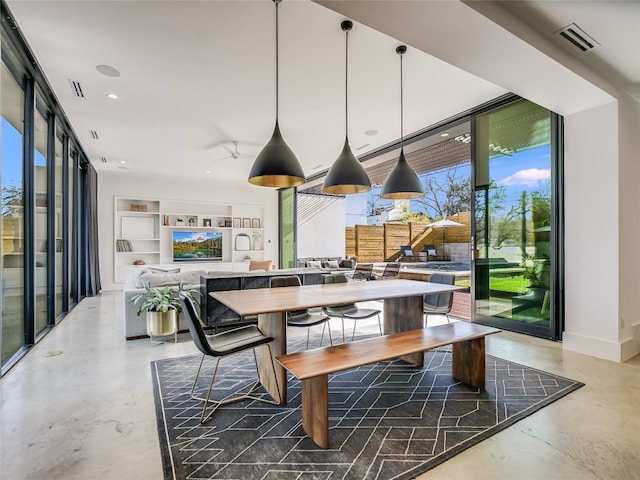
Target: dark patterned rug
[387,421]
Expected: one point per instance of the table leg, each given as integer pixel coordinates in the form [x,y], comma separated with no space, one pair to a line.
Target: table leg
[403,314]
[468,362]
[274,325]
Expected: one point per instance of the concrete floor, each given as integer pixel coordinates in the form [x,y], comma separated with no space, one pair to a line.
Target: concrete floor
[80,406]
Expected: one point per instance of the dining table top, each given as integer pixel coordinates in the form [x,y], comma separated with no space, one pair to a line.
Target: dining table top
[271,300]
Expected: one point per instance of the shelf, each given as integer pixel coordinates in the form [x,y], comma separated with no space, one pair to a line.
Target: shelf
[149,234]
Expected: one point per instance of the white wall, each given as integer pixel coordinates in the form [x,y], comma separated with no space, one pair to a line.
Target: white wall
[114,185]
[591,231]
[323,234]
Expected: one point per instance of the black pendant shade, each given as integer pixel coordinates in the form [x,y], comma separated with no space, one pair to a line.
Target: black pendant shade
[346,175]
[276,165]
[402,182]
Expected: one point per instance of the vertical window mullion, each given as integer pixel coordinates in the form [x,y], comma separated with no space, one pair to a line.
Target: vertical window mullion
[29,210]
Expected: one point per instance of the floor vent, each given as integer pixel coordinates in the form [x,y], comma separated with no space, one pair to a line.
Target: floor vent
[578,38]
[93,134]
[76,88]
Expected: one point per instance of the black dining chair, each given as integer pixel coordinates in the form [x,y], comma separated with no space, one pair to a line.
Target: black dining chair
[222,345]
[439,303]
[348,310]
[302,318]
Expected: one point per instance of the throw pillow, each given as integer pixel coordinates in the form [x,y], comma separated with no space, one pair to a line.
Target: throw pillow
[164,270]
[331,264]
[258,265]
[160,279]
[137,280]
[314,263]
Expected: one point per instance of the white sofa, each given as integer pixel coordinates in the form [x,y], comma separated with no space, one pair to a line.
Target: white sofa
[135,326]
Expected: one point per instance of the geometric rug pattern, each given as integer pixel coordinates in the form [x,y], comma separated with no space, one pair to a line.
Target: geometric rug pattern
[388,420]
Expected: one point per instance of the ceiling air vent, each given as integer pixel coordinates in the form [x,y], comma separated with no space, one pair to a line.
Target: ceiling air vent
[578,37]
[76,88]
[103,159]
[93,134]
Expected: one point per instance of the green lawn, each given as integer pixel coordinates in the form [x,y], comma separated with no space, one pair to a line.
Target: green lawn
[516,285]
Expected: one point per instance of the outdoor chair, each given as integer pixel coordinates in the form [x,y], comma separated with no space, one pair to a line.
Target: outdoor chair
[301,318]
[363,271]
[431,252]
[221,345]
[348,310]
[391,270]
[406,254]
[439,303]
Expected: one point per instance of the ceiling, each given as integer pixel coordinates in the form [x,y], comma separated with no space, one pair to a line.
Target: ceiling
[196,76]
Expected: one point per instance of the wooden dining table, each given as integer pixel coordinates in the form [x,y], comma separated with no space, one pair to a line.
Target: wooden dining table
[403,311]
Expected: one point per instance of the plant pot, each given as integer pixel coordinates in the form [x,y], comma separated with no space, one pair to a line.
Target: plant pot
[160,324]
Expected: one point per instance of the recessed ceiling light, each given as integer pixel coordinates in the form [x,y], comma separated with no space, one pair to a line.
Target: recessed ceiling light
[108,71]
[371,132]
[208,171]
[445,134]
[123,161]
[112,96]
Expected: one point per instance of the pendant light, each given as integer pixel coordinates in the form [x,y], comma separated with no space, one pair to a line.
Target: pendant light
[402,182]
[276,165]
[346,175]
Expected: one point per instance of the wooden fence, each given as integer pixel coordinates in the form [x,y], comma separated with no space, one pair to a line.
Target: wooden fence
[373,243]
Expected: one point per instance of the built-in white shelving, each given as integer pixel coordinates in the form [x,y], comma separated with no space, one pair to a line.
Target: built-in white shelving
[143,232]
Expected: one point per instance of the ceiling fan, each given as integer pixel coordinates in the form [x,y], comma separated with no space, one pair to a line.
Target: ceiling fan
[233,153]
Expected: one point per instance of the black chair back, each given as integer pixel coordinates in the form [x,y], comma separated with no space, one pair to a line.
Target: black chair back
[288,281]
[441,300]
[195,326]
[391,269]
[406,250]
[334,278]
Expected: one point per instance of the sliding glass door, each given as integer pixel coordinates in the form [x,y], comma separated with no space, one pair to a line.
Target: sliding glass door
[515,251]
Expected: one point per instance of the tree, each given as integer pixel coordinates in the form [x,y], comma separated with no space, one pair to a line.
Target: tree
[446,194]
[11,200]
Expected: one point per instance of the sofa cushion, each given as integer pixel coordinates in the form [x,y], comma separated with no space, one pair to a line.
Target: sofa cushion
[172,279]
[164,270]
[314,263]
[137,277]
[330,264]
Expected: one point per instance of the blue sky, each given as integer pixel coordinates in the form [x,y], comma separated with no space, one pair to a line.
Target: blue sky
[524,170]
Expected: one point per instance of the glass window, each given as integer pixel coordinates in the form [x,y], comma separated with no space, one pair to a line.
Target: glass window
[287,219]
[11,103]
[513,222]
[41,232]
[59,185]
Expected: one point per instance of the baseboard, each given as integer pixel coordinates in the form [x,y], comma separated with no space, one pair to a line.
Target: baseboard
[595,347]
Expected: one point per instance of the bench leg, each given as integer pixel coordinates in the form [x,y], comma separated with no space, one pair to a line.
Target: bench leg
[402,314]
[469,362]
[274,325]
[315,409]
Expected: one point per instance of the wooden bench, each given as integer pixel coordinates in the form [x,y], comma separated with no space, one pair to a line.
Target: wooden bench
[312,367]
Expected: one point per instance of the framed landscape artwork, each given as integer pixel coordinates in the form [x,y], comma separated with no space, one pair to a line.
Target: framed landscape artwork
[255,223]
[236,222]
[246,223]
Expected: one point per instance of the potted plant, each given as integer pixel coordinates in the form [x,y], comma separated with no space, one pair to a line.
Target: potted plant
[533,272]
[162,307]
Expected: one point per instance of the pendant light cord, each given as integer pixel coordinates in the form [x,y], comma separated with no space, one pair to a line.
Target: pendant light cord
[346,83]
[277,79]
[401,107]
